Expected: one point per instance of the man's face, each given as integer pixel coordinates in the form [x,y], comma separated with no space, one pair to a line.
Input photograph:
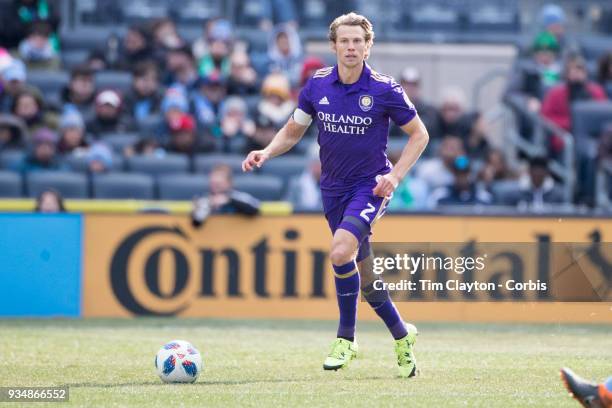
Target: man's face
[350,47]
[538,174]
[183,140]
[44,152]
[450,149]
[73,136]
[282,42]
[82,87]
[214,92]
[412,89]
[146,84]
[107,111]
[576,73]
[219,182]
[27,107]
[134,41]
[451,111]
[49,203]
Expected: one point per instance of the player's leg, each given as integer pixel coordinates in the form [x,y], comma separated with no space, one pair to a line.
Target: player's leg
[361,214]
[346,277]
[588,393]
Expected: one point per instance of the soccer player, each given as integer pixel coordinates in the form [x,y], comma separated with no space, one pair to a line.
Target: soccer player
[352,105]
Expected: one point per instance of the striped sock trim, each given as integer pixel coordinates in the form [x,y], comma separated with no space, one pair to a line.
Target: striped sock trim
[345,271]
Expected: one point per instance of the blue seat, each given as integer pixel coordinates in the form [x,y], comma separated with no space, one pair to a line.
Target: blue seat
[262,187]
[285,167]
[11,159]
[10,184]
[117,80]
[81,163]
[70,185]
[123,186]
[119,141]
[154,165]
[205,162]
[505,192]
[181,186]
[49,82]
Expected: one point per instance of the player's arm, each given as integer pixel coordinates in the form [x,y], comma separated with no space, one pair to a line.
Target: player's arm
[282,142]
[412,151]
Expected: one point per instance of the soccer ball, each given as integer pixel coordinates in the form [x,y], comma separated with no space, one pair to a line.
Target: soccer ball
[178,362]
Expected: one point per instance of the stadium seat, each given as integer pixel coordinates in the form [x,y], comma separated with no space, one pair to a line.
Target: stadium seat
[142,11]
[181,186]
[49,82]
[285,167]
[80,163]
[11,159]
[70,185]
[263,187]
[588,119]
[205,162]
[10,184]
[505,192]
[196,11]
[73,58]
[84,39]
[117,80]
[154,165]
[123,186]
[119,141]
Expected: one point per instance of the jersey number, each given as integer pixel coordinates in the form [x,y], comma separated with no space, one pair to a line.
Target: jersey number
[365,212]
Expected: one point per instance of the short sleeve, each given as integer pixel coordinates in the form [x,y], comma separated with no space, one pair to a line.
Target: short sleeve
[398,105]
[304,102]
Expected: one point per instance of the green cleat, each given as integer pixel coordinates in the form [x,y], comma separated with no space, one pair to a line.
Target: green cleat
[341,354]
[405,354]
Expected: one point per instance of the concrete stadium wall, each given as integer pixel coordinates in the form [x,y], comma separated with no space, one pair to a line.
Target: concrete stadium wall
[441,66]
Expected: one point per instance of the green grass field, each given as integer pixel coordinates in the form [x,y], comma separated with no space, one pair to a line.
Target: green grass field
[278,363]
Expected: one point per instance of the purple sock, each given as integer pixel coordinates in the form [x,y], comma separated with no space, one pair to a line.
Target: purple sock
[347,291]
[384,307]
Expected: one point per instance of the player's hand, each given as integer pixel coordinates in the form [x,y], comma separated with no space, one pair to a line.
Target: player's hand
[386,185]
[256,158]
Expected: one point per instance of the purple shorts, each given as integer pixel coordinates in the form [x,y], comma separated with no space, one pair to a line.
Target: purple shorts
[356,211]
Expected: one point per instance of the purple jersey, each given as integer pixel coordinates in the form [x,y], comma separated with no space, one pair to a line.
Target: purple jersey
[353,122]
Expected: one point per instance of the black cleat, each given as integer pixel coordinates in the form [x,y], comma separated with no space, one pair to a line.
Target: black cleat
[583,391]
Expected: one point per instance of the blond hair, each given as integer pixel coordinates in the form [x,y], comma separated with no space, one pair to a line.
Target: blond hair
[351,19]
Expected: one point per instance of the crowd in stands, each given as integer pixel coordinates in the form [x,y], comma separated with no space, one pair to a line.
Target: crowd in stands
[214,96]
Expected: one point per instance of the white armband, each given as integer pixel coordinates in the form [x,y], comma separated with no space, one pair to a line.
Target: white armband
[301,117]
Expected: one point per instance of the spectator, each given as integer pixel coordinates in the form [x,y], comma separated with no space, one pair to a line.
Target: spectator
[553,21]
[453,118]
[604,73]
[236,126]
[28,105]
[216,58]
[310,66]
[13,81]
[19,17]
[144,99]
[71,133]
[13,132]
[207,99]
[438,171]
[463,191]
[576,87]
[173,106]
[410,80]
[222,198]
[38,49]
[80,91]
[495,168]
[180,68]
[165,37]
[242,76]
[134,48]
[50,201]
[533,77]
[184,138]
[44,152]
[108,116]
[285,53]
[99,158]
[538,189]
[303,191]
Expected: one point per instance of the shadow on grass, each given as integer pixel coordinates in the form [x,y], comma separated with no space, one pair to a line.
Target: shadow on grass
[205,383]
